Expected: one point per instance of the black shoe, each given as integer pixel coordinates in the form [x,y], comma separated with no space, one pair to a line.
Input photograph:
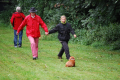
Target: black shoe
[59,57]
[34,58]
[19,46]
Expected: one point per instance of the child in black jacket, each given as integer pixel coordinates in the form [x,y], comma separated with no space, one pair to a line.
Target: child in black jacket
[64,29]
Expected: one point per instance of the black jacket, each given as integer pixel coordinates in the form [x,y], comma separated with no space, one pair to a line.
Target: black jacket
[63,30]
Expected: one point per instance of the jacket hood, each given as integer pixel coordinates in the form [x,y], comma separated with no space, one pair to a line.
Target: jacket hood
[18,15]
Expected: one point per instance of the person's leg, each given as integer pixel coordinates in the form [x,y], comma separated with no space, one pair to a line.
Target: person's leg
[15,38]
[36,47]
[33,46]
[61,53]
[20,38]
[66,49]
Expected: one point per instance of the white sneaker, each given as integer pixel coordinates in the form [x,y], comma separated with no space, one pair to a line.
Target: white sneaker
[15,46]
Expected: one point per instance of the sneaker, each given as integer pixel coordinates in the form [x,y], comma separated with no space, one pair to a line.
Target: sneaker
[15,46]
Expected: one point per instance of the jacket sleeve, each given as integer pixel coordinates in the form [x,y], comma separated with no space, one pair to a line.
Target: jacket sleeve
[71,30]
[12,19]
[43,25]
[22,25]
[55,29]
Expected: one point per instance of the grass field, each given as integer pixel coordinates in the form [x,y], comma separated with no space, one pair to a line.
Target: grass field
[91,63]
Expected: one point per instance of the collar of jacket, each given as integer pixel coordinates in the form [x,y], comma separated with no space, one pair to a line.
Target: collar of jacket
[17,12]
[63,23]
[32,16]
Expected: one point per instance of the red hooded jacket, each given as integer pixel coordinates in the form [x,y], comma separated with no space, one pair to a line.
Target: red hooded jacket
[33,26]
[17,19]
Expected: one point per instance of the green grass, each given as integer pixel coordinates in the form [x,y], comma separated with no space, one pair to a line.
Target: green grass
[91,63]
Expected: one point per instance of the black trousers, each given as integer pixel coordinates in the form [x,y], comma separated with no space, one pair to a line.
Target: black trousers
[65,49]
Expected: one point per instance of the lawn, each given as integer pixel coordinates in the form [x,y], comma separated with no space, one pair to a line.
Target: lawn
[91,63]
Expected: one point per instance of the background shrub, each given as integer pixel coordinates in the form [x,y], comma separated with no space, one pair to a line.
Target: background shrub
[96,22]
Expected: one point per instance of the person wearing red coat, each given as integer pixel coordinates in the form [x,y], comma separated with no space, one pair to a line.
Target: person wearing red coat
[16,20]
[32,23]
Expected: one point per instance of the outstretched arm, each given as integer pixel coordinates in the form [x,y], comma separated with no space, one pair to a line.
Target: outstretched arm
[43,25]
[21,26]
[55,29]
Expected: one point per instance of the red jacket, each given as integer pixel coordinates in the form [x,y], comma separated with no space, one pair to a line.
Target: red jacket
[32,26]
[17,19]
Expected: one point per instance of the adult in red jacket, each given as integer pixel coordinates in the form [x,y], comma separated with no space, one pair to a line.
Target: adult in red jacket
[32,23]
[16,20]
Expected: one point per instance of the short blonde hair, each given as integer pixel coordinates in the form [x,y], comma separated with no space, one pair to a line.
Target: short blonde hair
[63,16]
[18,9]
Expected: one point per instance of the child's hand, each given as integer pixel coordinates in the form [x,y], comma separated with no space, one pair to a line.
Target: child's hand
[75,36]
[46,33]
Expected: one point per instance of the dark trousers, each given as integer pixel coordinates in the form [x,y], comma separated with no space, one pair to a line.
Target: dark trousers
[65,49]
[16,38]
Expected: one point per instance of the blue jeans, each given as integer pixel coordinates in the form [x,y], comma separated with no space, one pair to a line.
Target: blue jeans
[16,38]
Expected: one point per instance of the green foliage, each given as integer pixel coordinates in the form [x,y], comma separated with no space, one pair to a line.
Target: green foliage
[102,12]
[110,33]
[80,13]
[100,35]
[8,9]
[6,15]
[115,45]
[94,21]
[111,36]
[97,44]
[50,11]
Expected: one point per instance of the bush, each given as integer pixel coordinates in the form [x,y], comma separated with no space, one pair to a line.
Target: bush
[97,44]
[115,45]
[99,36]
[110,33]
[6,15]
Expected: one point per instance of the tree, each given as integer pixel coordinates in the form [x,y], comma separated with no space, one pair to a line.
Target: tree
[102,13]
